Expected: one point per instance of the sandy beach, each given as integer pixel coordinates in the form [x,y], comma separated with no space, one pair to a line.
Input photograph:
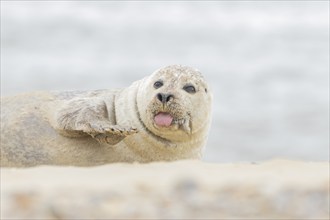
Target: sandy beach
[276,189]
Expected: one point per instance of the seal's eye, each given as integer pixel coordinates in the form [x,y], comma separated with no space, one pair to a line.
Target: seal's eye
[158,84]
[190,89]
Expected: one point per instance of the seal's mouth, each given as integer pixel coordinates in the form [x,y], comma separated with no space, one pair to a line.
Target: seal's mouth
[167,120]
[163,119]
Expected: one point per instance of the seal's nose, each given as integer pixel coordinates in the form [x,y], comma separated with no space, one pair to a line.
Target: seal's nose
[164,98]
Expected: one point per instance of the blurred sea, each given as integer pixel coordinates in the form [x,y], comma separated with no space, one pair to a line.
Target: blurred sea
[267,62]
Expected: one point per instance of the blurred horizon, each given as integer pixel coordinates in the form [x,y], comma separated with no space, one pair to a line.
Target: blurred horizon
[266,62]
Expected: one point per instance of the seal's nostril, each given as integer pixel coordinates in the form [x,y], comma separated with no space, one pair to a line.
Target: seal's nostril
[164,97]
[169,96]
[160,97]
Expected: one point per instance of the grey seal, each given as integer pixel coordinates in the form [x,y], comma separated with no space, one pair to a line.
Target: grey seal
[162,117]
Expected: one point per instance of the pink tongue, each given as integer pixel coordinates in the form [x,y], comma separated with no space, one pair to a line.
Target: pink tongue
[163,119]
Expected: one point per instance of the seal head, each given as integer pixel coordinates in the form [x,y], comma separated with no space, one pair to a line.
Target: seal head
[175,103]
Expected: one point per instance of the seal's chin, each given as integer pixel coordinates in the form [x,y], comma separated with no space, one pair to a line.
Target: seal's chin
[165,120]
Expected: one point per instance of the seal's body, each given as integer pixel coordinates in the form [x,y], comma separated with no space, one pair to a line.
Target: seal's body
[165,116]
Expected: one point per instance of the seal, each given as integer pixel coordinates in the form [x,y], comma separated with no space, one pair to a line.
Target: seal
[162,117]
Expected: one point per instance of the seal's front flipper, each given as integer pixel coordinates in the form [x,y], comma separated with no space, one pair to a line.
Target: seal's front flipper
[112,134]
[120,130]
